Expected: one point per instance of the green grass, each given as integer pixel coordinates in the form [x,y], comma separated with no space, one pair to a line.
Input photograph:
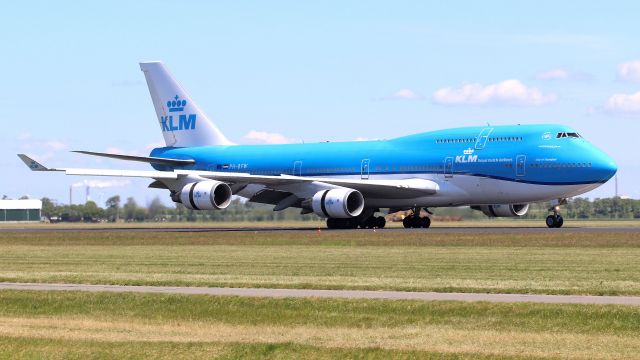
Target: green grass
[75,349]
[107,325]
[357,313]
[124,325]
[544,263]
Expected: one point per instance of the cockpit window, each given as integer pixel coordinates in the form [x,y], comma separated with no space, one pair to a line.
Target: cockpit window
[568,134]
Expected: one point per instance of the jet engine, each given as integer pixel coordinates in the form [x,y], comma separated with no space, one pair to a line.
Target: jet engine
[206,195]
[503,210]
[338,203]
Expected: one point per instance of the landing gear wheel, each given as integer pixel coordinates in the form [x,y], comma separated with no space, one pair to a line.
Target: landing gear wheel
[425,222]
[554,221]
[380,222]
[367,223]
[406,222]
[416,222]
[551,221]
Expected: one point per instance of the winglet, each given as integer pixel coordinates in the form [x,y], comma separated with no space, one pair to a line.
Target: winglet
[32,164]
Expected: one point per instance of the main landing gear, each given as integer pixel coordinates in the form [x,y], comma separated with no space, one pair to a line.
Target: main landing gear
[371,222]
[415,221]
[555,220]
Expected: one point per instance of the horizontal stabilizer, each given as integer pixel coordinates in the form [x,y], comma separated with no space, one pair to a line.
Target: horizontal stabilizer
[146,159]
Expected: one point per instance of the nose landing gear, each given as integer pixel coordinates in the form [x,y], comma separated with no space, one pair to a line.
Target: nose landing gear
[555,220]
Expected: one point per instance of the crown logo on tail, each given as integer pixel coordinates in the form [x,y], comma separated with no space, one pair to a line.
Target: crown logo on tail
[176,104]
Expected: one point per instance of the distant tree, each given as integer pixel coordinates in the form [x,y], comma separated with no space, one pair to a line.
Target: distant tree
[49,209]
[156,208]
[24,197]
[113,207]
[140,214]
[130,208]
[5,197]
[92,211]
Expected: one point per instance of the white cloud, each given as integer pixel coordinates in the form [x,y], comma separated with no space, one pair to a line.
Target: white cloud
[562,74]
[403,94]
[508,92]
[43,157]
[406,94]
[629,71]
[43,150]
[55,145]
[623,103]
[554,74]
[102,183]
[262,137]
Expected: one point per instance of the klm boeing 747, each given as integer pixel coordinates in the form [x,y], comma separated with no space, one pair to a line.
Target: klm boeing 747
[498,170]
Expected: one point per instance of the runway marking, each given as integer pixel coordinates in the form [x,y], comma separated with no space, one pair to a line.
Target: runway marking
[346,294]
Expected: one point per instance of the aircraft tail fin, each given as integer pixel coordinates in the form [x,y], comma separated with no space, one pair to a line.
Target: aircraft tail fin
[182,122]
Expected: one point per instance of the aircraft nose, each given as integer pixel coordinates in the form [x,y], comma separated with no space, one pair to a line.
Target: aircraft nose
[605,166]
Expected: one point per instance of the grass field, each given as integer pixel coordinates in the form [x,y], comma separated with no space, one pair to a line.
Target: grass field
[546,263]
[107,325]
[79,325]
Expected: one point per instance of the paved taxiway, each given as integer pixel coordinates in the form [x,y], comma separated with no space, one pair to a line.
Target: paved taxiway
[437,230]
[346,294]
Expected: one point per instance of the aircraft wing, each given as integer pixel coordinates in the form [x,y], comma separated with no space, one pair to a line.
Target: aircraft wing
[36,166]
[405,188]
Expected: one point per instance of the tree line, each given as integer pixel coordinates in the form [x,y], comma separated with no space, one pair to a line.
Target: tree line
[115,210]
[130,211]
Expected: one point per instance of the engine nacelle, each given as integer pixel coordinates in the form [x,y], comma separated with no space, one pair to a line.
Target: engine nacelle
[206,195]
[503,210]
[338,203]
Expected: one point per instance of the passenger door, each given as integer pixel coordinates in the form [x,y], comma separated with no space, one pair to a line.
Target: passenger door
[364,169]
[482,138]
[297,168]
[521,164]
[448,167]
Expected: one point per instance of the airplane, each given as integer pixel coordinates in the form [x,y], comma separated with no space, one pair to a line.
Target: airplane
[497,170]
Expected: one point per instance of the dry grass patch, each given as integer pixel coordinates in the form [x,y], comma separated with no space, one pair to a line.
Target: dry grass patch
[443,339]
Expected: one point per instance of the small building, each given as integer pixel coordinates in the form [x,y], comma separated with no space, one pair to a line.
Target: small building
[20,210]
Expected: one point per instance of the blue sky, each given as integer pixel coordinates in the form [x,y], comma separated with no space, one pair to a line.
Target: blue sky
[300,71]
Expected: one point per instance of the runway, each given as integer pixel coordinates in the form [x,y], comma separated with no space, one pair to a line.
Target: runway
[437,230]
[340,294]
